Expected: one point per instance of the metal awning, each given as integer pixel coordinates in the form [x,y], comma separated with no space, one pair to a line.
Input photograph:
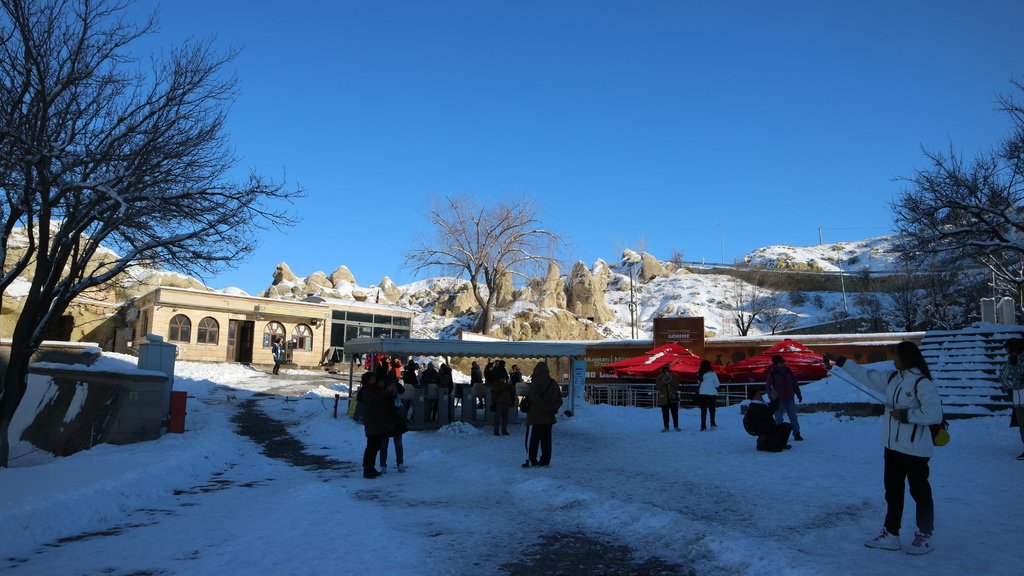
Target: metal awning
[464,348]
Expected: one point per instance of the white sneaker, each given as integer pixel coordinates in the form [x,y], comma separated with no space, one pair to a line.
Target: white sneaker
[678,429]
[664,429]
[401,467]
[884,540]
[384,469]
[922,544]
[713,427]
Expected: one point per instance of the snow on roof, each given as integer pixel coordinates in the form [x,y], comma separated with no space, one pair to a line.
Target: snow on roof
[357,303]
[473,348]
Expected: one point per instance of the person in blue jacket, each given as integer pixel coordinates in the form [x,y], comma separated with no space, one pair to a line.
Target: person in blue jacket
[912,404]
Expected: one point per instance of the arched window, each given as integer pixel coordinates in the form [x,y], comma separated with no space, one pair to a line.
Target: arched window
[272,329]
[180,329]
[303,337]
[207,331]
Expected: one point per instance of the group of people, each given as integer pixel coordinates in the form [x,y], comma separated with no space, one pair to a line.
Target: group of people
[380,400]
[667,387]
[388,388]
[505,387]
[910,396]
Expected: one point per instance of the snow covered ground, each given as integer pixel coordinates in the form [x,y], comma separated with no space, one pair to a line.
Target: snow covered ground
[209,502]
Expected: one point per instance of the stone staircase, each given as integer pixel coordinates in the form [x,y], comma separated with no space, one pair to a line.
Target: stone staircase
[965,365]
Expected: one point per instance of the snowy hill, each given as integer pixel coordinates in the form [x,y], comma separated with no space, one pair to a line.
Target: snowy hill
[873,254]
[659,289]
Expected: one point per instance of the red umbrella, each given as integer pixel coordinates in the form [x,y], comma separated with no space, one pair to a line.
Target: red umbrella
[806,364]
[650,363]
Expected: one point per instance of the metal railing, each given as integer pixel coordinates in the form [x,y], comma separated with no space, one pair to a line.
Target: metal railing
[643,395]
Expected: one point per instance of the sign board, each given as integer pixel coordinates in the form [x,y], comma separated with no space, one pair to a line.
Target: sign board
[687,332]
[579,377]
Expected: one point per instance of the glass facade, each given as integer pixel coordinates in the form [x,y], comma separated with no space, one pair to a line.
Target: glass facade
[348,325]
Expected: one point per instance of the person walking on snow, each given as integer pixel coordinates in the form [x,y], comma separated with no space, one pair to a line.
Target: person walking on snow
[545,399]
[277,351]
[911,404]
[707,394]
[781,387]
[668,397]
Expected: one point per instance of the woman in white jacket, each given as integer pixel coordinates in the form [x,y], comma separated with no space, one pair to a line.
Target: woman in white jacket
[912,404]
[707,394]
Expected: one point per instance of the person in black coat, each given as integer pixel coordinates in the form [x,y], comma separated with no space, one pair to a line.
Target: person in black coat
[760,421]
[378,401]
[430,380]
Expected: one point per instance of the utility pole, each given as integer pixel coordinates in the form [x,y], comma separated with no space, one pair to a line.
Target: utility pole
[632,305]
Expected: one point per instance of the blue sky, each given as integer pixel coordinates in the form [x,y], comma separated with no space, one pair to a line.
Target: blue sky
[673,125]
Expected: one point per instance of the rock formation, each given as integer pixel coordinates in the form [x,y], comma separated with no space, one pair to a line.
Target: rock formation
[549,292]
[547,324]
[316,283]
[504,292]
[650,268]
[284,275]
[456,303]
[342,274]
[585,295]
[390,293]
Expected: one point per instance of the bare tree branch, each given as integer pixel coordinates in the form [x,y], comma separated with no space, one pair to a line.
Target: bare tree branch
[484,243]
[97,154]
[970,210]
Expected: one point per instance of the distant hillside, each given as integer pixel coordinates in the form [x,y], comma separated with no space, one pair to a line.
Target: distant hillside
[804,284]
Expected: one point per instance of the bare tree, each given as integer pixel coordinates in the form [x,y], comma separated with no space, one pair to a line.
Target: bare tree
[902,300]
[484,243]
[775,316]
[748,305]
[869,307]
[971,210]
[97,153]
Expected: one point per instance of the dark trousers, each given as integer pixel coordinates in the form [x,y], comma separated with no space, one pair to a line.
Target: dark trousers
[501,417]
[399,451]
[673,408]
[707,404]
[903,469]
[540,437]
[1020,420]
[776,440]
[373,442]
[277,367]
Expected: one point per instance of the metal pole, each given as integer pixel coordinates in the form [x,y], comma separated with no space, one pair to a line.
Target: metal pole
[632,305]
[842,282]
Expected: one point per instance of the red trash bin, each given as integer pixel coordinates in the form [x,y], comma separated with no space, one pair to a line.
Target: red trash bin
[176,419]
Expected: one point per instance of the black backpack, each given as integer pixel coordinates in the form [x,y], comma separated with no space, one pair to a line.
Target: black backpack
[748,424]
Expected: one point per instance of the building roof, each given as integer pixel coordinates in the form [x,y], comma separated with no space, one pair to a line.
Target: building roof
[391,308]
[466,348]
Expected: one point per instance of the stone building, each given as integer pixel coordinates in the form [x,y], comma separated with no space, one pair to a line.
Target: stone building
[220,327]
